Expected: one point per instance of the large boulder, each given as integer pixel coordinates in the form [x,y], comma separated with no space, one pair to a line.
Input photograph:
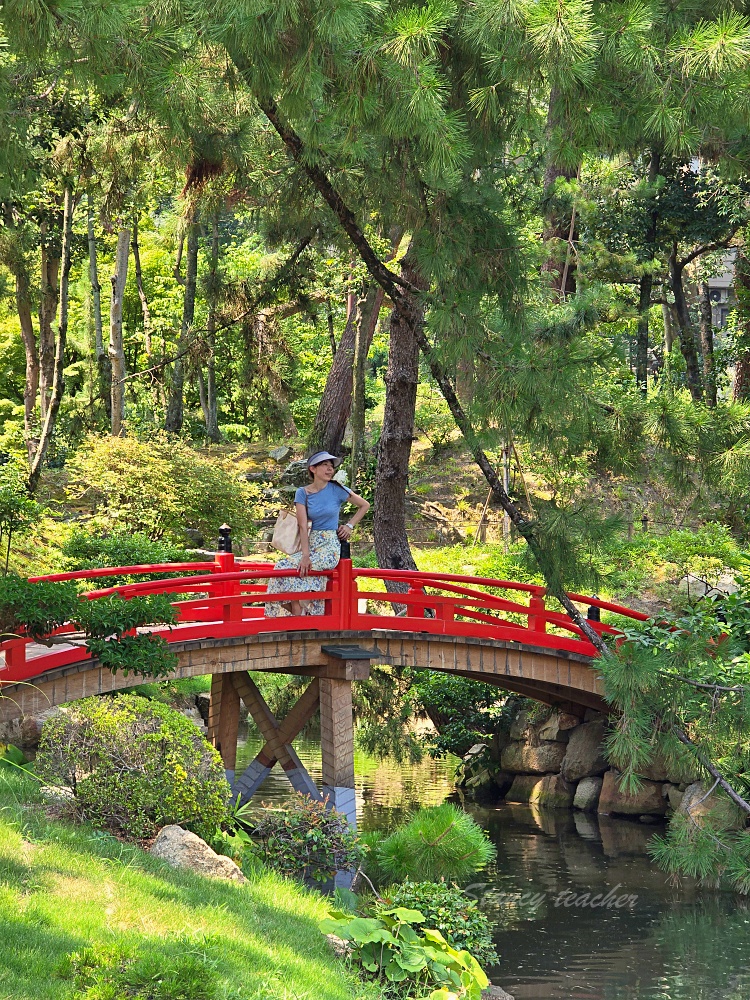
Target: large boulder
[558,727]
[520,758]
[720,811]
[522,788]
[584,757]
[648,800]
[553,792]
[519,726]
[184,849]
[587,794]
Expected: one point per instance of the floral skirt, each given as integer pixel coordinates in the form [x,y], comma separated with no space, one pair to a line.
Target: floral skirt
[325,551]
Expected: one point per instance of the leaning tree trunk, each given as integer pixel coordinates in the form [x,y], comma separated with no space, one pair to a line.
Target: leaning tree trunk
[146,312]
[116,348]
[707,344]
[48,303]
[176,404]
[685,329]
[58,381]
[389,527]
[335,403]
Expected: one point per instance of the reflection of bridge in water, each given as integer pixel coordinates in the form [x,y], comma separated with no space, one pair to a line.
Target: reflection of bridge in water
[474,627]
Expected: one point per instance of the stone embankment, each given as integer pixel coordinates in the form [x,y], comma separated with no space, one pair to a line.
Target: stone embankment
[557,761]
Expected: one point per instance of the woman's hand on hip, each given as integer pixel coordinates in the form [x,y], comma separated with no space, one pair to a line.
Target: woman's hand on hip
[344,532]
[305,565]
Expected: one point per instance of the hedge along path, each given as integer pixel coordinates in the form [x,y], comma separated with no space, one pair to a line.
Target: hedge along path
[65,888]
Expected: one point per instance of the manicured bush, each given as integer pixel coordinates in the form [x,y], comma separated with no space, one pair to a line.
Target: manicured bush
[83,550]
[159,487]
[134,766]
[447,909]
[441,842]
[306,841]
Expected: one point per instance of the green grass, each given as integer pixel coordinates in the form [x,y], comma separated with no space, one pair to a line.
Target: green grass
[64,888]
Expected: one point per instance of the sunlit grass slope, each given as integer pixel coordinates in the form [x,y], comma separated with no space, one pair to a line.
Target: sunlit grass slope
[64,888]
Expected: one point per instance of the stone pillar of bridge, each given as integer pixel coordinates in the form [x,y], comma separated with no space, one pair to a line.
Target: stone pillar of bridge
[224,721]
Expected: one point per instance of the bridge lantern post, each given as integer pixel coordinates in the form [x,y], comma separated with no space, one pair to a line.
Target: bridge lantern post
[223,557]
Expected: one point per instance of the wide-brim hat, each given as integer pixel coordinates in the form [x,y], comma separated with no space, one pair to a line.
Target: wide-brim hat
[323,456]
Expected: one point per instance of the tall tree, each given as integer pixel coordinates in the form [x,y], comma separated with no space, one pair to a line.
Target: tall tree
[116,348]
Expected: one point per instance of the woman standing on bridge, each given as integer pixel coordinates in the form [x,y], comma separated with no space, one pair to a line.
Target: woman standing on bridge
[320,502]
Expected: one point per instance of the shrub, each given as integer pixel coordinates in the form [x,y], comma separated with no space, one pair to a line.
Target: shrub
[390,949]
[449,911]
[134,766]
[83,550]
[441,842]
[159,488]
[306,841]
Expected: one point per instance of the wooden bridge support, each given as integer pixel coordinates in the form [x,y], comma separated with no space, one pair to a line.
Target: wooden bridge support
[330,690]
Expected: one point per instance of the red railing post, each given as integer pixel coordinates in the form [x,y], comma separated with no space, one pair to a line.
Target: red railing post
[347,594]
[15,654]
[537,621]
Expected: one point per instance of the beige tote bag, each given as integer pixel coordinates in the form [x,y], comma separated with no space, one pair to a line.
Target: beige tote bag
[286,536]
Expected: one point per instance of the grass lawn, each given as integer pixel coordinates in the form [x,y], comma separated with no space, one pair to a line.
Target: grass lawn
[64,888]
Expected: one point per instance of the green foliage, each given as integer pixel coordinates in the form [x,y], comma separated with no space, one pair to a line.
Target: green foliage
[83,550]
[682,690]
[306,841]
[108,623]
[463,711]
[447,909]
[159,488]
[390,949]
[441,842]
[108,974]
[19,512]
[134,766]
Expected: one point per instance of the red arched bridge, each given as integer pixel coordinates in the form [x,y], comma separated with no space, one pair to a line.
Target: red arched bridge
[495,631]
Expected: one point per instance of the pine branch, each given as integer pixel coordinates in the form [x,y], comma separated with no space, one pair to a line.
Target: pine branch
[712,770]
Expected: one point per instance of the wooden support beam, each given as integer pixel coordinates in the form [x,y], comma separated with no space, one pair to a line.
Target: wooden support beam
[337,745]
[278,737]
[224,720]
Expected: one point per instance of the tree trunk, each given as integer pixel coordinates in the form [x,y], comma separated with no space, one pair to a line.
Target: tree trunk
[389,528]
[58,381]
[559,220]
[175,407]
[335,403]
[103,366]
[48,303]
[141,290]
[31,382]
[666,315]
[116,349]
[707,344]
[647,281]
[367,309]
[641,337]
[685,328]
[209,403]
[741,381]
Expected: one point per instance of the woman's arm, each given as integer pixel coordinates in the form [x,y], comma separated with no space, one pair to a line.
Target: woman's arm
[301,511]
[345,530]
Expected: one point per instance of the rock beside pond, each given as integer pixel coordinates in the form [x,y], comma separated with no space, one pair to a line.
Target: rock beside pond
[553,792]
[716,808]
[520,758]
[649,799]
[587,794]
[583,758]
[495,993]
[184,849]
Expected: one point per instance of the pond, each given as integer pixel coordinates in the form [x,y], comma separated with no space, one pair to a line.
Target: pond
[579,910]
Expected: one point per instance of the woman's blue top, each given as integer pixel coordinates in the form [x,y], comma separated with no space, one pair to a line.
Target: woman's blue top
[323,507]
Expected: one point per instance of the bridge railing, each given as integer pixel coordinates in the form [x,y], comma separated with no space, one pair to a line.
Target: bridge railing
[227,598]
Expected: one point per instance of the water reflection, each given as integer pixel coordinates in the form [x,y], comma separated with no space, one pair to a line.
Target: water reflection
[554,890]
